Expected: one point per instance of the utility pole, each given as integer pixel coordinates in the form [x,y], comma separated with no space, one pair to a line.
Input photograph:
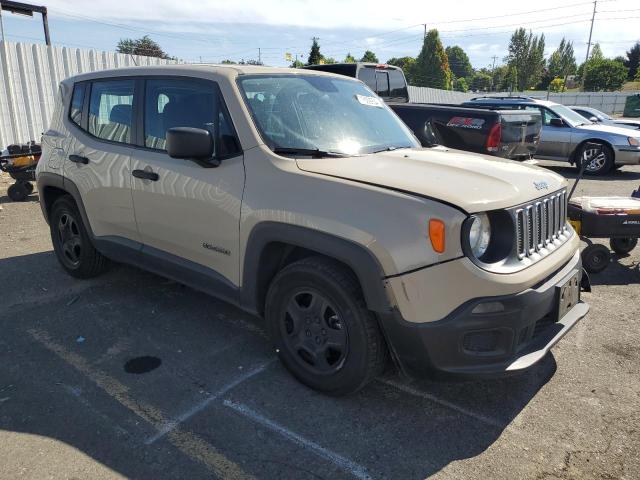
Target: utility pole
[593,17]
[259,56]
[425,31]
[1,26]
[493,72]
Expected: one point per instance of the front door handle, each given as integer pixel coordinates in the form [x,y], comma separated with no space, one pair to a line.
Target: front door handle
[145,175]
[78,159]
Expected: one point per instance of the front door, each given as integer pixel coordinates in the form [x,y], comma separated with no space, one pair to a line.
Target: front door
[188,213]
[554,141]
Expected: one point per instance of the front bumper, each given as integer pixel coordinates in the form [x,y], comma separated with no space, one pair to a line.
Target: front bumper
[469,344]
[627,155]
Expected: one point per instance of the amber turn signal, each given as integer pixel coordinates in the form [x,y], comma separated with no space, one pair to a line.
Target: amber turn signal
[436,234]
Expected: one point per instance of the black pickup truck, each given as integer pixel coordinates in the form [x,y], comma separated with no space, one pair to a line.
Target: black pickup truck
[503,133]
[510,134]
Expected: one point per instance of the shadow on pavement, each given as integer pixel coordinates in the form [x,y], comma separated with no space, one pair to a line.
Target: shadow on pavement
[392,428]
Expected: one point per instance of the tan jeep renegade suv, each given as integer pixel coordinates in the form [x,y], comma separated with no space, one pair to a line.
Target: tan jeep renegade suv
[300,197]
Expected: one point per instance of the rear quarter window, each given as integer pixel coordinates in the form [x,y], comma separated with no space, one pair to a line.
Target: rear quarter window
[77,101]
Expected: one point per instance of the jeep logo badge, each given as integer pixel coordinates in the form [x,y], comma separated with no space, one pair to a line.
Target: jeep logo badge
[542,185]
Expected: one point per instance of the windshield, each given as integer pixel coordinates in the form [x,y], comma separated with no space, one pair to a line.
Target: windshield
[601,115]
[310,112]
[572,118]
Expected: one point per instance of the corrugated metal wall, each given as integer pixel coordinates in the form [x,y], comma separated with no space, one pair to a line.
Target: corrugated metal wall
[608,102]
[29,78]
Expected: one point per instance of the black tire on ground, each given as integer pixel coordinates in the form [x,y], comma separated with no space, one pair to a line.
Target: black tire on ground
[72,243]
[29,187]
[321,328]
[622,246]
[599,160]
[595,258]
[17,192]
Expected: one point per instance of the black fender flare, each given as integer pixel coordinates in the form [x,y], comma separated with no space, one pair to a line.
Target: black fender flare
[50,179]
[357,257]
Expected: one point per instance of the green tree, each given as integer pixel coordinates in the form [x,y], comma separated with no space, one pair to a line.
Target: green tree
[369,56]
[604,75]
[526,55]
[633,61]
[296,64]
[459,62]
[227,62]
[596,53]
[511,78]
[330,60]
[432,66]
[498,75]
[637,77]
[562,62]
[350,58]
[141,46]
[315,57]
[406,64]
[556,85]
[460,85]
[481,82]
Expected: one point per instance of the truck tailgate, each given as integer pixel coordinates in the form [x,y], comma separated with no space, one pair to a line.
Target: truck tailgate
[520,133]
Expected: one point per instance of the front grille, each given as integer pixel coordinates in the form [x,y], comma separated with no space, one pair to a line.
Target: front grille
[540,223]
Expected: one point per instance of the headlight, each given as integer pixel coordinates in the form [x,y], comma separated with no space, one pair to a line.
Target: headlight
[633,141]
[479,234]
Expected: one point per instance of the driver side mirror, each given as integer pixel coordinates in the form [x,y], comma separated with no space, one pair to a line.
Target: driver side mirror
[594,119]
[556,122]
[190,143]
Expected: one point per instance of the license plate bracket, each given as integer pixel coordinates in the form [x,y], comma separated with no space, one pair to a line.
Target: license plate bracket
[568,294]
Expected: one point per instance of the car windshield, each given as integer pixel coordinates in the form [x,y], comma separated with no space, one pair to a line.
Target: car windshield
[306,113]
[601,115]
[572,118]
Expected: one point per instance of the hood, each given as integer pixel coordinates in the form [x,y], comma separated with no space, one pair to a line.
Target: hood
[472,182]
[614,129]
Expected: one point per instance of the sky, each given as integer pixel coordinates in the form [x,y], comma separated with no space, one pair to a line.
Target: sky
[212,30]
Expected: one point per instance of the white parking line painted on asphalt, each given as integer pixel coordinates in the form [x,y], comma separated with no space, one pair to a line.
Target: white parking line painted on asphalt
[446,403]
[356,470]
[166,428]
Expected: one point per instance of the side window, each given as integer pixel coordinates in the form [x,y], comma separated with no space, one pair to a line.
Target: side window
[180,102]
[77,101]
[547,115]
[111,110]
[368,76]
[382,84]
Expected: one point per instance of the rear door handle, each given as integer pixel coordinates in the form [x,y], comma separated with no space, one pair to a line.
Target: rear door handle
[78,159]
[145,175]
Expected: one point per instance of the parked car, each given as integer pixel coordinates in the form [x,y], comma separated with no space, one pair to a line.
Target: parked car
[300,197]
[387,81]
[596,116]
[567,135]
[503,133]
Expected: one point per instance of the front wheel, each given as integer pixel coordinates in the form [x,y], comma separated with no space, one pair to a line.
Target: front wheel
[595,258]
[598,159]
[321,328]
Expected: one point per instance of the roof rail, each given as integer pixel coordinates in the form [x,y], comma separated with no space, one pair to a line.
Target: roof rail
[498,97]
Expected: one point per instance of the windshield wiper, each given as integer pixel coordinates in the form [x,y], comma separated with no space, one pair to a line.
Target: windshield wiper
[311,152]
[388,149]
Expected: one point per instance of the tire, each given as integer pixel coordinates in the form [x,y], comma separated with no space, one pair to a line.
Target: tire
[595,258]
[17,192]
[29,187]
[321,328]
[72,243]
[623,246]
[600,161]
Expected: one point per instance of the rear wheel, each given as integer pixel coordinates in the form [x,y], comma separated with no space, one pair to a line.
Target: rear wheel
[595,258]
[17,192]
[321,329]
[622,246]
[598,159]
[71,242]
[29,187]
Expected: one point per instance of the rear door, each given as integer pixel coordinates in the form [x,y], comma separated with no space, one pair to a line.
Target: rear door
[97,158]
[188,213]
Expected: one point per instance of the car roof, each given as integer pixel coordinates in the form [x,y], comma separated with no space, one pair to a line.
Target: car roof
[229,71]
[496,100]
